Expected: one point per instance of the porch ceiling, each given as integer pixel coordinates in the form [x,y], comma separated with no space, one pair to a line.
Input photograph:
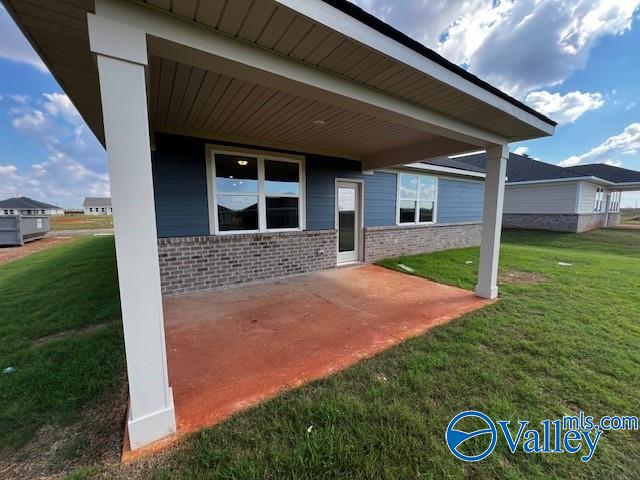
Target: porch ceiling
[287,30]
[190,99]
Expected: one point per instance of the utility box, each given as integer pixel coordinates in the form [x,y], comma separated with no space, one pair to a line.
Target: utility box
[20,229]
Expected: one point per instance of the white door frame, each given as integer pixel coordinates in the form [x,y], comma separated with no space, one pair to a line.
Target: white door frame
[356,254]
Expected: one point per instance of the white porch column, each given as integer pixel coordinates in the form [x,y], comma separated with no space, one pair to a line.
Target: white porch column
[121,53]
[497,157]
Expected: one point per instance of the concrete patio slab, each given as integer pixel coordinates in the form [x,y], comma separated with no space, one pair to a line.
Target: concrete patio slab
[231,349]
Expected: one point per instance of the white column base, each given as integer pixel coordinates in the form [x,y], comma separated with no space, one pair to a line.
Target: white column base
[146,430]
[484,292]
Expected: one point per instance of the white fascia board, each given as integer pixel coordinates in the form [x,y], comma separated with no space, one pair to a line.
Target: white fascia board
[348,26]
[197,45]
[439,169]
[629,186]
[563,180]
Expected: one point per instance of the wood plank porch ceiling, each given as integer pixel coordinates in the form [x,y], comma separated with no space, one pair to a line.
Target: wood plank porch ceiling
[191,98]
[58,30]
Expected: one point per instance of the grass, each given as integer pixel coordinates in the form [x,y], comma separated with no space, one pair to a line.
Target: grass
[51,305]
[545,350]
[81,222]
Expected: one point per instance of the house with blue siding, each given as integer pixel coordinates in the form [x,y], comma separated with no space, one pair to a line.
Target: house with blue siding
[249,199]
[250,140]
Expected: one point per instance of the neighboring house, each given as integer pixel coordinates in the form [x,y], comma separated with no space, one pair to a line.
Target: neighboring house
[540,195]
[284,137]
[28,206]
[97,206]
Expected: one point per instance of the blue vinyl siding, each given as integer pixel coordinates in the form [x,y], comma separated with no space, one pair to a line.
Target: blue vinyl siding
[321,173]
[459,201]
[180,186]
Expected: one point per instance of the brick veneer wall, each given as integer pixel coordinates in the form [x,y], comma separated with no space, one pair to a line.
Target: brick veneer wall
[553,222]
[570,222]
[190,264]
[590,222]
[385,242]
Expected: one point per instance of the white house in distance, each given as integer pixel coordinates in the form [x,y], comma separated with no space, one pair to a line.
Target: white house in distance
[542,196]
[97,206]
[28,206]
[240,127]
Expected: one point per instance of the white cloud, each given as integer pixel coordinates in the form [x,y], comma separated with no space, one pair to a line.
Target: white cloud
[521,150]
[612,163]
[630,106]
[564,108]
[625,143]
[74,165]
[13,45]
[519,46]
[60,104]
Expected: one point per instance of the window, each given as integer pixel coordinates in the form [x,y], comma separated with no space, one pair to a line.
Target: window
[255,193]
[6,212]
[416,198]
[614,201]
[599,200]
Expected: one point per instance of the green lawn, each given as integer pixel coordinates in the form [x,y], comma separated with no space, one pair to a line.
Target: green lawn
[545,350]
[81,222]
[60,330]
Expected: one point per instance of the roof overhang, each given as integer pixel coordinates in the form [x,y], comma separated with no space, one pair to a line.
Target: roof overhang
[624,186]
[446,170]
[388,104]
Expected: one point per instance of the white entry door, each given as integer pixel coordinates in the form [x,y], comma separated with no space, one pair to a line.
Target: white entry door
[349,221]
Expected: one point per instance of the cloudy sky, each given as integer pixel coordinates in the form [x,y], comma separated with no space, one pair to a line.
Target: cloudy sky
[576,61]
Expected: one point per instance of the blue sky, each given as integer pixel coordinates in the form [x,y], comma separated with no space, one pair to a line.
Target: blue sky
[575,61]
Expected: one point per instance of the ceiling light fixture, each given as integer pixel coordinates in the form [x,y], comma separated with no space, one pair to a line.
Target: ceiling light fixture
[242,163]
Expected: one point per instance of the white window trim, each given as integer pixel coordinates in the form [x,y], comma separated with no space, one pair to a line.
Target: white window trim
[416,216]
[260,155]
[599,200]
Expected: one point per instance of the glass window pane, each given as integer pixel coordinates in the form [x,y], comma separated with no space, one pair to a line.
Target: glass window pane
[426,212]
[236,174]
[346,219]
[427,188]
[407,211]
[408,186]
[282,212]
[282,177]
[237,212]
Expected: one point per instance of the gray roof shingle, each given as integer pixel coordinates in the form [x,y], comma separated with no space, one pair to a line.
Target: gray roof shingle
[25,203]
[97,202]
[606,172]
[521,169]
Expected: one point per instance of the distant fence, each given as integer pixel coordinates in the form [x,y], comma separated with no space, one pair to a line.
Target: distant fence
[17,229]
[74,211]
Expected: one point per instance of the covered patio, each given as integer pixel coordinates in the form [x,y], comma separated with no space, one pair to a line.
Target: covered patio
[294,76]
[228,350]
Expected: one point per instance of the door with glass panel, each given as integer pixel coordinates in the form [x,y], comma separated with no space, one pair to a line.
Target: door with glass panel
[349,221]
